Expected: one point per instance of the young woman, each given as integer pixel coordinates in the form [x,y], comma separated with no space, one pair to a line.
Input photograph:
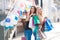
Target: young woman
[41,18]
[28,31]
[41,25]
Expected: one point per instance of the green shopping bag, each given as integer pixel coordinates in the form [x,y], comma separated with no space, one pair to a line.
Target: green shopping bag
[36,19]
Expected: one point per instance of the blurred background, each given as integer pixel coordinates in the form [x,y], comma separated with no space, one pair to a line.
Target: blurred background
[9,8]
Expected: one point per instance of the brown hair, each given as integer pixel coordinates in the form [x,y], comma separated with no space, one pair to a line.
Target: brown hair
[34,9]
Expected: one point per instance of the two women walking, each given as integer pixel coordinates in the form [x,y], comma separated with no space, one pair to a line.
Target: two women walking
[34,24]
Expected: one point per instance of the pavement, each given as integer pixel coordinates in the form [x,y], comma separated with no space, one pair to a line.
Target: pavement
[54,34]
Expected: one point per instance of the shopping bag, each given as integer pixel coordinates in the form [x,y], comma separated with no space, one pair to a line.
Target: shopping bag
[32,37]
[41,34]
[48,25]
[23,38]
[31,23]
[36,19]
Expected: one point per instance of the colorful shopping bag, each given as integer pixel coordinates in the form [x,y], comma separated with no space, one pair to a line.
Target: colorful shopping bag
[31,23]
[48,25]
[23,38]
[36,19]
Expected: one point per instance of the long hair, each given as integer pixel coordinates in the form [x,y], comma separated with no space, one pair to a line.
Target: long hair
[41,10]
[34,9]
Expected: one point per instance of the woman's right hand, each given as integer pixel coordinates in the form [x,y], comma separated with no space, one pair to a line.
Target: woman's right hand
[28,17]
[31,14]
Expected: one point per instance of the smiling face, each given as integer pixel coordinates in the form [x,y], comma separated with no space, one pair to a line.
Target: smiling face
[39,11]
[33,9]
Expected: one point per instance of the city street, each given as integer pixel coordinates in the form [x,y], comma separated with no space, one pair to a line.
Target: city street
[54,34]
[15,17]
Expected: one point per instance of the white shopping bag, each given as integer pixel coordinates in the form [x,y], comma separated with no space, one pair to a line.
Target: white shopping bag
[31,23]
[32,37]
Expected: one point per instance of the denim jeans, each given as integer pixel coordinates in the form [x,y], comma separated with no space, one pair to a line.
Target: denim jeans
[28,34]
[35,32]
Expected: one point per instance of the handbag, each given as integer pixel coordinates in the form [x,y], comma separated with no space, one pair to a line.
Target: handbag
[48,25]
[36,20]
[31,23]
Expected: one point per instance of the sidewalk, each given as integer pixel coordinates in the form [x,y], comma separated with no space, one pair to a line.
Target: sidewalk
[51,35]
[54,34]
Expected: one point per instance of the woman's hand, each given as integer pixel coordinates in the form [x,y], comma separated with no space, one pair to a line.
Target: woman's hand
[31,14]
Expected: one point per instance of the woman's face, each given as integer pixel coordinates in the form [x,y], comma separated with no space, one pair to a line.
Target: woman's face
[32,9]
[39,10]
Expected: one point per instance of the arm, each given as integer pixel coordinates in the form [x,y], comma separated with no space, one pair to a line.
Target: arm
[41,19]
[28,17]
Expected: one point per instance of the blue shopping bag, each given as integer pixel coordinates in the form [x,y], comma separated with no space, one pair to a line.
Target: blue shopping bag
[48,25]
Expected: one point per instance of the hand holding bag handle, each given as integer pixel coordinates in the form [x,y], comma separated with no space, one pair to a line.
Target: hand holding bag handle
[41,34]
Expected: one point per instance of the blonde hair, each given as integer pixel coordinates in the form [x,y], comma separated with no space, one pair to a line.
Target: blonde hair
[40,9]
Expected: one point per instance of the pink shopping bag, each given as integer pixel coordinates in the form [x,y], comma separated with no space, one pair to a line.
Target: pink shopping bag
[23,38]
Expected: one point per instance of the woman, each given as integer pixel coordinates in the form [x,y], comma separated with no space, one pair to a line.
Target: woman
[41,18]
[36,20]
[41,25]
[28,31]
